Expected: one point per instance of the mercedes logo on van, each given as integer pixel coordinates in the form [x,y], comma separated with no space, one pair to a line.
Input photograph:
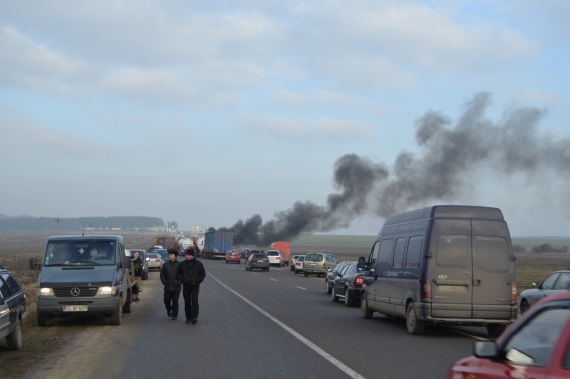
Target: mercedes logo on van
[75,291]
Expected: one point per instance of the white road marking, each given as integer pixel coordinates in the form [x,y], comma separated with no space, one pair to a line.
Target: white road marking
[301,288]
[273,279]
[254,273]
[471,335]
[347,370]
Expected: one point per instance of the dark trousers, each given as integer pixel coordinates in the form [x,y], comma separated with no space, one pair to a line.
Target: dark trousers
[171,301]
[191,306]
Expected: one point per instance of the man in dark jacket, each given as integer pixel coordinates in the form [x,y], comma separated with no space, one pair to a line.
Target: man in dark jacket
[172,285]
[191,273]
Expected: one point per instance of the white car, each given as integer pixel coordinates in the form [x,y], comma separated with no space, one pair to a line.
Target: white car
[275,258]
[299,264]
[295,257]
[154,261]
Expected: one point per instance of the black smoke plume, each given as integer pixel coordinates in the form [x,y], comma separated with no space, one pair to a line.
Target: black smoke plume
[449,154]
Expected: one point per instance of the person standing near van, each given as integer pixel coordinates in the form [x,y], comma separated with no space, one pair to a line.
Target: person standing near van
[138,266]
[191,273]
[172,285]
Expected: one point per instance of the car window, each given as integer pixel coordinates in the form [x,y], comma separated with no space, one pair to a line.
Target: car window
[385,254]
[153,256]
[563,281]
[344,269]
[314,258]
[533,344]
[4,290]
[300,259]
[414,250]
[453,251]
[399,253]
[339,267]
[273,253]
[374,255]
[548,283]
[491,254]
[11,282]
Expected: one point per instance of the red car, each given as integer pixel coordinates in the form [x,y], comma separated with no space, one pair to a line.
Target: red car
[537,346]
[232,256]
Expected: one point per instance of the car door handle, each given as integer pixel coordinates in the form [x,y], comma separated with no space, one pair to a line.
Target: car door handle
[476,282]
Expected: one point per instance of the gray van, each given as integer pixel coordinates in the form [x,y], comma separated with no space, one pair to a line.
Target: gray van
[442,264]
[84,275]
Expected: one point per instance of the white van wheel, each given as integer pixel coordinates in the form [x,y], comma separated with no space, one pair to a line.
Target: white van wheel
[414,325]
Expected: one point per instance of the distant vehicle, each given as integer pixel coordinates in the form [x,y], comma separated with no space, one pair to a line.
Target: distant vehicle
[84,275]
[534,346]
[257,261]
[293,260]
[332,275]
[299,264]
[142,255]
[243,252]
[232,256]
[13,311]
[217,244]
[348,284]
[446,264]
[318,264]
[165,242]
[275,258]
[154,261]
[252,251]
[284,249]
[184,243]
[557,282]
[199,242]
[163,254]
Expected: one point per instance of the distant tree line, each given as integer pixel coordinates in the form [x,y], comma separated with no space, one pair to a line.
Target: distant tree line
[33,224]
[547,248]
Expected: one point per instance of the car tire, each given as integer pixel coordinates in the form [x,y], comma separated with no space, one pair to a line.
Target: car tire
[296,272]
[333,294]
[347,302]
[327,288]
[365,312]
[414,325]
[524,306]
[306,274]
[128,307]
[43,320]
[14,339]
[495,330]
[117,317]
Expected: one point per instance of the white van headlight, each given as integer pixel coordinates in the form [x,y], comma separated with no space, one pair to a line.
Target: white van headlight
[44,291]
[107,290]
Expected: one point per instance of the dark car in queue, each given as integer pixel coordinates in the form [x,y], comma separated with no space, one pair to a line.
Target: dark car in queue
[258,261]
[556,282]
[243,252]
[13,312]
[536,345]
[348,284]
[142,255]
[331,275]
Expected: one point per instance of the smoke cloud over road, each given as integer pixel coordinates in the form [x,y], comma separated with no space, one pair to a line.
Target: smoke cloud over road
[449,154]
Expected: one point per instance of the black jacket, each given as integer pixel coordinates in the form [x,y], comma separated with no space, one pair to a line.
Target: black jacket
[168,276]
[137,263]
[191,273]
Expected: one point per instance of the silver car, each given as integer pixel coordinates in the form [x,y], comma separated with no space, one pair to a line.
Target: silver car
[318,263]
[558,281]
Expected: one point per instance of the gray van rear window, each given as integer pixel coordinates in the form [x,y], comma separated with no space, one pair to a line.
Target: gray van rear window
[491,254]
[414,251]
[453,251]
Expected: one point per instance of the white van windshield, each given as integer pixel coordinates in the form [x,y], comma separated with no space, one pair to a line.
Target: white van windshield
[94,252]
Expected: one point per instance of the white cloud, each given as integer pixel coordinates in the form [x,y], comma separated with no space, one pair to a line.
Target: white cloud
[324,128]
[534,96]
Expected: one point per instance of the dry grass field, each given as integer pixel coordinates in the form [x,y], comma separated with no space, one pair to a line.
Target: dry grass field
[16,248]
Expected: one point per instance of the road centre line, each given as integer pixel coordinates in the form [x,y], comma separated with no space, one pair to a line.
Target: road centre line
[273,279]
[347,370]
[471,335]
[301,288]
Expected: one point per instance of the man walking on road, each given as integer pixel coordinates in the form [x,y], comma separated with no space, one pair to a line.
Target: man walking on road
[191,273]
[171,283]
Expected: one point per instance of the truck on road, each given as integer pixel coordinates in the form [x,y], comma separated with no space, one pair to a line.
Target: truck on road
[217,243]
[284,249]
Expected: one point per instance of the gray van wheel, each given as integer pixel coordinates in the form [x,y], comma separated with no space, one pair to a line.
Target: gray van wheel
[495,330]
[365,312]
[524,306]
[15,338]
[334,297]
[117,317]
[414,325]
[128,307]
[42,320]
[327,288]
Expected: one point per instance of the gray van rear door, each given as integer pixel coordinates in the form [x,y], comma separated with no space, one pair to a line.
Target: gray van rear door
[493,271]
[450,268]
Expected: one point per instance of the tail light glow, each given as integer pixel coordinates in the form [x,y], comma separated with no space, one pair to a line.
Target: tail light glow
[514,292]
[359,281]
[426,289]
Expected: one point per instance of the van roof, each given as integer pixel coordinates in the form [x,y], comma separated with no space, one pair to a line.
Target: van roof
[444,211]
[87,237]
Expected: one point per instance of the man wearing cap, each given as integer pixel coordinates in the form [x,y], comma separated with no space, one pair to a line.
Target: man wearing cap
[171,283]
[191,273]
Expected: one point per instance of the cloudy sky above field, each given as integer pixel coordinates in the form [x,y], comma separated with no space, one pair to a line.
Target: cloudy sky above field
[205,112]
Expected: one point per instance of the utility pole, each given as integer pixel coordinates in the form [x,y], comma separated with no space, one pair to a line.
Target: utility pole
[91,226]
[57,220]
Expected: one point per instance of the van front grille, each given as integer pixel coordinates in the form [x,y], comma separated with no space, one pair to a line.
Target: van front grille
[75,291]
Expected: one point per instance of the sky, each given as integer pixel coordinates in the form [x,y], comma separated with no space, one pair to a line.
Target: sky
[206,112]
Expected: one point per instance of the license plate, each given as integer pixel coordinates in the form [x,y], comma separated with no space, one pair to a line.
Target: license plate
[312,264]
[75,308]
[451,288]
[261,261]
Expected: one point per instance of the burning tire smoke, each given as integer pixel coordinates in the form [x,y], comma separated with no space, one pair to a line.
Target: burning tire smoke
[448,155]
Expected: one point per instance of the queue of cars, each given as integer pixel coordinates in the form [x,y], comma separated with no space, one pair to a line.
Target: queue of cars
[13,311]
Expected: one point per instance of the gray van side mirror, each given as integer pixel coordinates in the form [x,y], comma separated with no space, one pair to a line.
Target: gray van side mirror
[362,265]
[127,262]
[34,265]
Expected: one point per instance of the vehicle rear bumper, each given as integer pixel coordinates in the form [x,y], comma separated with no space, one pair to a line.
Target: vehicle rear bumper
[424,312]
[54,307]
[315,270]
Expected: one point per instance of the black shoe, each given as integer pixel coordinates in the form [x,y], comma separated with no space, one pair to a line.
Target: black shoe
[188,321]
[194,321]
[169,313]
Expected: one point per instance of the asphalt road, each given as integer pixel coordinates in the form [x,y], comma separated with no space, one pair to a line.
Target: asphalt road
[264,324]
